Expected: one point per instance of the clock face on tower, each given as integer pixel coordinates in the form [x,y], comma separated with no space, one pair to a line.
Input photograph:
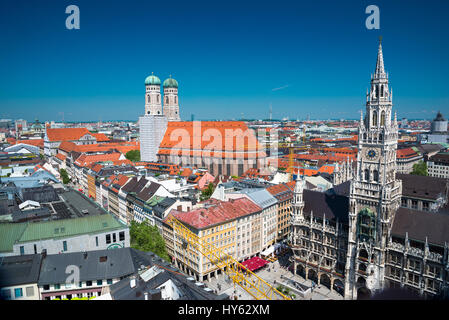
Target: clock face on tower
[371,154]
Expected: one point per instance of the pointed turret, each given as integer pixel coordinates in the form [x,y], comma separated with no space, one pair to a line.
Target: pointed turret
[299,185]
[380,69]
[298,203]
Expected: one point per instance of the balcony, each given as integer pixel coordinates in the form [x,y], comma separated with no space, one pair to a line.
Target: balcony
[415,252]
[432,256]
[396,247]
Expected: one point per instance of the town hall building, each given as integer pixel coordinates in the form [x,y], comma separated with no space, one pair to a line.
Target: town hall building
[361,238]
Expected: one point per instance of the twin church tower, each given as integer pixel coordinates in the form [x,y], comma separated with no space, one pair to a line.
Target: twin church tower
[153,124]
[153,99]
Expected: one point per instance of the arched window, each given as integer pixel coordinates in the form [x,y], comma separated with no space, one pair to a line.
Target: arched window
[363,254]
[157,98]
[375,175]
[148,98]
[366,227]
[377,91]
[366,175]
[374,118]
[382,118]
[176,99]
[382,91]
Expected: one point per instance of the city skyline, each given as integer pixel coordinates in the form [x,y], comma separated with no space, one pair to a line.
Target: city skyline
[316,62]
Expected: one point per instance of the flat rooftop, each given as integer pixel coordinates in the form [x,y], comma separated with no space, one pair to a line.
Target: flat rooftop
[80,205]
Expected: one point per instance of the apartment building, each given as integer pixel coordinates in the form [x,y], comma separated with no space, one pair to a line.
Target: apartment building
[284,196]
[19,276]
[218,223]
[63,236]
[94,270]
[438,165]
[269,216]
[406,158]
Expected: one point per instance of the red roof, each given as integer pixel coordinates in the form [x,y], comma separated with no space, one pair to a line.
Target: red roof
[327,168]
[60,156]
[187,172]
[66,134]
[101,137]
[86,159]
[97,167]
[219,138]
[277,189]
[406,153]
[68,146]
[33,142]
[122,147]
[217,213]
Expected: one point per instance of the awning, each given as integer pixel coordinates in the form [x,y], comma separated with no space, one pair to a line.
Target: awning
[268,251]
[254,263]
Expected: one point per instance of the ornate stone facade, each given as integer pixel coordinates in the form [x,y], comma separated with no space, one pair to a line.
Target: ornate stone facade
[375,193]
[352,243]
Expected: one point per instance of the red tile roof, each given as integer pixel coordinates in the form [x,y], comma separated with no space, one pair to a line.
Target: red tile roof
[34,142]
[122,147]
[327,168]
[66,134]
[219,138]
[277,189]
[60,156]
[219,212]
[68,146]
[86,159]
[406,153]
[101,137]
[186,172]
[96,167]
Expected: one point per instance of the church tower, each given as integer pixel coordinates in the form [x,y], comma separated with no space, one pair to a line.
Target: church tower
[375,193]
[153,103]
[171,104]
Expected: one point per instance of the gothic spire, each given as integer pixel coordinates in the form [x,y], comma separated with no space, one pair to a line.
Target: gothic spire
[380,70]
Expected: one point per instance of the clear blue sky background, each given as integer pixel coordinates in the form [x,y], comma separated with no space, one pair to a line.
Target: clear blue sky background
[229,57]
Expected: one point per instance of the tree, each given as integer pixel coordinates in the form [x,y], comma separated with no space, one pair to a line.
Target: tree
[64,176]
[420,169]
[207,193]
[145,237]
[133,155]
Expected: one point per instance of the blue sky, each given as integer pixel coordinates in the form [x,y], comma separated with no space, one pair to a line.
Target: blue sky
[231,58]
